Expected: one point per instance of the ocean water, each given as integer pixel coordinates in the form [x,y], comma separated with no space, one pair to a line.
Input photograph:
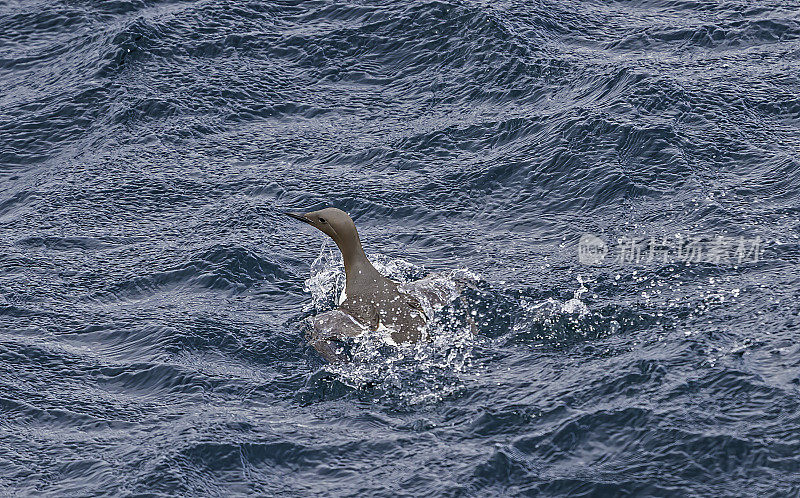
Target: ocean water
[616,181]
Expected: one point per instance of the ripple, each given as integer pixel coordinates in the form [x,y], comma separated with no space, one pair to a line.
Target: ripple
[153,300]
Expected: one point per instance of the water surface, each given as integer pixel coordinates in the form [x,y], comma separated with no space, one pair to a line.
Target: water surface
[153,299]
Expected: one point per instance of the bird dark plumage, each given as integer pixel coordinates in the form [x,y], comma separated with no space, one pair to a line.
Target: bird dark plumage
[371,299]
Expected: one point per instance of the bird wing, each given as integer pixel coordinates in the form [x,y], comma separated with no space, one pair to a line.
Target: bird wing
[328,331]
[414,304]
[334,324]
[435,290]
[363,311]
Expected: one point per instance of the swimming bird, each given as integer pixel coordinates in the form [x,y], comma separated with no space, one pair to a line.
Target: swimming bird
[369,300]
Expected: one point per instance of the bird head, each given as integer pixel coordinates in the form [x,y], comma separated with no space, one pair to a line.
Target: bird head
[333,222]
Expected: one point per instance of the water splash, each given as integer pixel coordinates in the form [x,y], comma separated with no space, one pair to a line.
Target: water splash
[556,322]
[414,374]
[327,280]
[575,306]
[429,371]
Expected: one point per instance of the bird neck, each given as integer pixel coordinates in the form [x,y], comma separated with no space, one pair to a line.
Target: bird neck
[357,267]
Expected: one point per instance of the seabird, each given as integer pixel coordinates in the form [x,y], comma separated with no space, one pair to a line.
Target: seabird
[370,300]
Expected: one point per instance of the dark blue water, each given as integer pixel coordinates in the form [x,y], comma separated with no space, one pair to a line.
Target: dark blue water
[153,301]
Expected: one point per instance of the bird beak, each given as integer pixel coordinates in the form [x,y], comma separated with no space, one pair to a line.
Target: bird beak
[298,216]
